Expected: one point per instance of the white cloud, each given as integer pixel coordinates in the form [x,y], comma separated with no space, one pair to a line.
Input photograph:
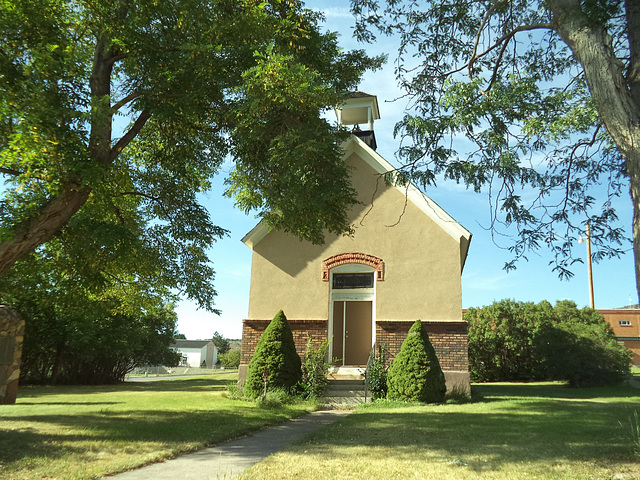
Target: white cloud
[337,13]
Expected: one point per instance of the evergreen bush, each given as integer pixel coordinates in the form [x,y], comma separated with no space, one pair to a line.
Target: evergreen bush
[276,354]
[415,373]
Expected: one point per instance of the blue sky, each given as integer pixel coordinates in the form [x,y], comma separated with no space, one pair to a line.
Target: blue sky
[483,279]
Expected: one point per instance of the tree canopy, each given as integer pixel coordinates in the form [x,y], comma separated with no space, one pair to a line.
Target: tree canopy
[222,344]
[518,341]
[535,102]
[193,82]
[89,319]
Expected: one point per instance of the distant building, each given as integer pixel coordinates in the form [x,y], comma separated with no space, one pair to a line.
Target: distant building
[196,353]
[625,323]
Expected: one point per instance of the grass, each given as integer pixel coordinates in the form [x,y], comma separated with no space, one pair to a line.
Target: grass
[510,431]
[85,432]
[180,371]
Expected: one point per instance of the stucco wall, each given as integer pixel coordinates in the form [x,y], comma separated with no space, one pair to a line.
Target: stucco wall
[421,261]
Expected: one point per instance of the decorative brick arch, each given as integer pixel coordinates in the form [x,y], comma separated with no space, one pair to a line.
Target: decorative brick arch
[345,258]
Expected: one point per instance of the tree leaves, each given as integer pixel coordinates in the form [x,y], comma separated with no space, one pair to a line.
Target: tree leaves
[185,76]
[501,104]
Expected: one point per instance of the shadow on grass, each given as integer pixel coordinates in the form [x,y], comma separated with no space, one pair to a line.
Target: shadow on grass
[190,384]
[69,403]
[160,427]
[28,432]
[543,424]
[490,392]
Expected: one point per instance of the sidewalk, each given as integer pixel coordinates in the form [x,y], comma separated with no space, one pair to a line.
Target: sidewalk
[230,459]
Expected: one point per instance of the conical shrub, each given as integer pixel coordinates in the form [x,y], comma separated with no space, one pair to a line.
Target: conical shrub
[275,353]
[415,373]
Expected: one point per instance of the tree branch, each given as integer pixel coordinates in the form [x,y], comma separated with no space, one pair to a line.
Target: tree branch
[486,18]
[10,171]
[153,198]
[118,105]
[503,40]
[130,135]
[52,217]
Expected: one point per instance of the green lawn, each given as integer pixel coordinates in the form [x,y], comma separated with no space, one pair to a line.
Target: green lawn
[84,432]
[511,431]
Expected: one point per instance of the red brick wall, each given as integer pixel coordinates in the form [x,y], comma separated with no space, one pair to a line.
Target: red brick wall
[449,340]
[626,332]
[253,329]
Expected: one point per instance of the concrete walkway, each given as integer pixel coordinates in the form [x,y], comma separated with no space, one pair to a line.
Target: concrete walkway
[228,460]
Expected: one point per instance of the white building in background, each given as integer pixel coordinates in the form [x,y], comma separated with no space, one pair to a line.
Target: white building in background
[196,353]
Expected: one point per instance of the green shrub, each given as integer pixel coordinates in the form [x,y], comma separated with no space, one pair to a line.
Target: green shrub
[235,391]
[415,373]
[231,359]
[634,430]
[276,355]
[315,368]
[585,355]
[516,341]
[502,340]
[377,374]
[276,398]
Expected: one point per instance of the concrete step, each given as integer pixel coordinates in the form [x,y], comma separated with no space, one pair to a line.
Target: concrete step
[344,393]
[346,384]
[346,373]
[345,389]
[342,402]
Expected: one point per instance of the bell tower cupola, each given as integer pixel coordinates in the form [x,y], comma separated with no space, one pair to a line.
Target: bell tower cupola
[360,109]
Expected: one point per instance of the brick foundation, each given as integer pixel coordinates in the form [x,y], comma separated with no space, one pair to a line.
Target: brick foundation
[449,339]
[11,339]
[253,329]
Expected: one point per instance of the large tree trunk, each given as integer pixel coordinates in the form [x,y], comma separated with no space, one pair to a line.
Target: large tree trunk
[616,96]
[53,216]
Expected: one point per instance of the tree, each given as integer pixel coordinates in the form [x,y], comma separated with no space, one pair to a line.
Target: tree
[180,336]
[581,348]
[99,347]
[415,373]
[276,357]
[93,314]
[518,341]
[503,340]
[545,94]
[190,77]
[222,344]
[231,359]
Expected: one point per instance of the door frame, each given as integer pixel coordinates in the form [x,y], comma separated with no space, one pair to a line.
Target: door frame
[346,295]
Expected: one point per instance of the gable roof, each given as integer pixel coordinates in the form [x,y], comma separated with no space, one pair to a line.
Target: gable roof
[413,193]
[190,343]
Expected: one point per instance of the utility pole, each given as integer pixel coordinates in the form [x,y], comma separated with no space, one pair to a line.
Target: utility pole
[589,268]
